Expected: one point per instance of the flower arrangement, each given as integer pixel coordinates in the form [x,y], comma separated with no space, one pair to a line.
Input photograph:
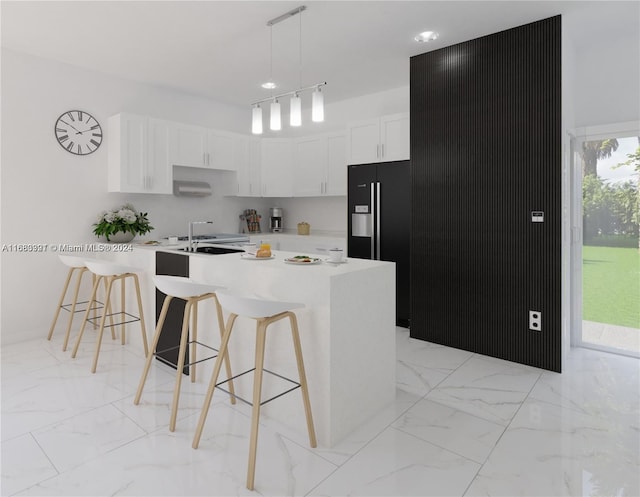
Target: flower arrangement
[125,219]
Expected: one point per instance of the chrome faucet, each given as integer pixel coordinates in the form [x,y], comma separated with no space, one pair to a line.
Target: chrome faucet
[191,223]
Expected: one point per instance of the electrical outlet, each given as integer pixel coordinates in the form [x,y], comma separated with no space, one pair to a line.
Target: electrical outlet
[535,320]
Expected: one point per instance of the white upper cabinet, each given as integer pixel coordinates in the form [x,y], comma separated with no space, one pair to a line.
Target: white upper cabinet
[138,155]
[196,146]
[309,172]
[320,166]
[189,145]
[379,140]
[394,137]
[248,151]
[221,149]
[336,182]
[277,167]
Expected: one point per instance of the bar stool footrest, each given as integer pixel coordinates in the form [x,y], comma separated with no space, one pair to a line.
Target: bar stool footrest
[97,308]
[133,320]
[186,364]
[297,385]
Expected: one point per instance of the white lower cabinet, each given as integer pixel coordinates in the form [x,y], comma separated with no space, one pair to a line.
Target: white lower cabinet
[138,155]
[320,166]
[276,172]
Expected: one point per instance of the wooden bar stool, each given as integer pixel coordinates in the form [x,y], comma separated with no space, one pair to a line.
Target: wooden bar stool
[74,264]
[192,293]
[112,272]
[265,312]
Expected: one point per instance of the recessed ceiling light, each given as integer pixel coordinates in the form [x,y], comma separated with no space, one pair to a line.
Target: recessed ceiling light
[269,85]
[426,36]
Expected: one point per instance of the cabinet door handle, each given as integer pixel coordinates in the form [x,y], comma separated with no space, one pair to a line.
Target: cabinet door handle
[204,159]
[377,151]
[382,146]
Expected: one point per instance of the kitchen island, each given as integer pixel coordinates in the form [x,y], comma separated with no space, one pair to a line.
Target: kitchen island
[347,330]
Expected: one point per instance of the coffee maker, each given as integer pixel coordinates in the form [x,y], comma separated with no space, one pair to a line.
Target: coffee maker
[275,219]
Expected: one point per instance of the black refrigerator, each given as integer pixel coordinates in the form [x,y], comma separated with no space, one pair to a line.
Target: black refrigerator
[379,217]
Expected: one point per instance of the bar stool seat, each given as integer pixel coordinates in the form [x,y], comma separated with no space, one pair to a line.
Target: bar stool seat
[193,293]
[111,272]
[265,312]
[74,264]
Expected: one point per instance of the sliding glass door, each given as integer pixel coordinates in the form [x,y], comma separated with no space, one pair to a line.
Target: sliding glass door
[607,168]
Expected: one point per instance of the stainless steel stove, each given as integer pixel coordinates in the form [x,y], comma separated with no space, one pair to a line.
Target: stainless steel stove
[218,238]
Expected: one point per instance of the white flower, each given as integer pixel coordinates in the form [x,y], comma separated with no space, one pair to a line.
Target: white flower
[110,217]
[101,216]
[127,215]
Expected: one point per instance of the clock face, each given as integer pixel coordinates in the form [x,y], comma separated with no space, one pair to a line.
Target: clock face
[78,132]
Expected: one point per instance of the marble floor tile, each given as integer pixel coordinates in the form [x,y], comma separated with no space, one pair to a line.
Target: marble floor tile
[68,432]
[154,410]
[23,464]
[165,464]
[416,379]
[486,387]
[430,355]
[341,452]
[595,383]
[398,464]
[551,451]
[86,436]
[24,359]
[457,431]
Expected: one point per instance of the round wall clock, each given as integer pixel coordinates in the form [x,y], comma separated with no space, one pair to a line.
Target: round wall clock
[78,132]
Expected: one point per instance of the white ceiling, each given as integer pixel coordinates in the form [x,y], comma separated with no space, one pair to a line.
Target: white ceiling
[220,49]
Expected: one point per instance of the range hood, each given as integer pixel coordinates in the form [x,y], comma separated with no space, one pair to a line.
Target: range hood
[191,188]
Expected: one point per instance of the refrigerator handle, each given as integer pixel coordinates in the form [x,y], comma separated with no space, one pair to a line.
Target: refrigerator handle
[372,216]
[378,198]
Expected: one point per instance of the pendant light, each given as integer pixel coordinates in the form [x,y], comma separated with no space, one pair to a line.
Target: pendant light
[295,108]
[256,123]
[317,106]
[275,121]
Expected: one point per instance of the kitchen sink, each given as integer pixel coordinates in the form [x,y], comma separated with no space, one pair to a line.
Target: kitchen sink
[214,250]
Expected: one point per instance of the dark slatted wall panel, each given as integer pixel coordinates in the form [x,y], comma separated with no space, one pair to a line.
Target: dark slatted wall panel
[485,152]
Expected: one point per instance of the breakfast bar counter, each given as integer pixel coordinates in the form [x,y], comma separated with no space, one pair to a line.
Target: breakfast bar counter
[347,330]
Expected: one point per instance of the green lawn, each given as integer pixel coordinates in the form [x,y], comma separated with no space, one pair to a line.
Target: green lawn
[611,285]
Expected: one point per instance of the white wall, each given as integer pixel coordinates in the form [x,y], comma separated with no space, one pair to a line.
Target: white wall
[607,80]
[51,196]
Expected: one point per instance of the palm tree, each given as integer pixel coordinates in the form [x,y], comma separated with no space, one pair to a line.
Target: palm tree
[592,151]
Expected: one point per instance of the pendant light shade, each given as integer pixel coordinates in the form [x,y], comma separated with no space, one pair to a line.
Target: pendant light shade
[317,106]
[275,122]
[256,123]
[295,112]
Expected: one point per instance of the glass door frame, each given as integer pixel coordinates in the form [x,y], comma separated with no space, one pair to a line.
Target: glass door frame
[577,138]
